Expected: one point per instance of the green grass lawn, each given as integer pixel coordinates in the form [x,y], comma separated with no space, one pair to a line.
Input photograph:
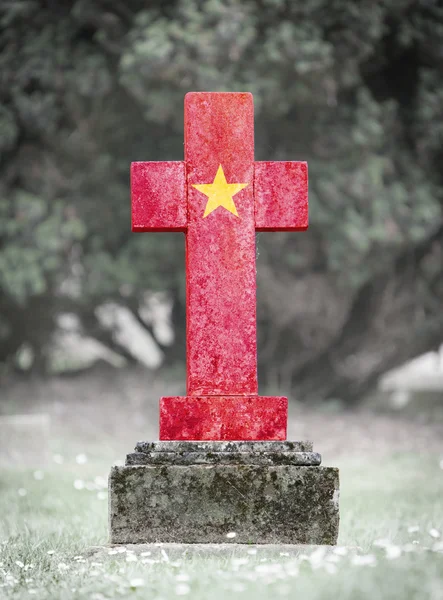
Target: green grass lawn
[391,507]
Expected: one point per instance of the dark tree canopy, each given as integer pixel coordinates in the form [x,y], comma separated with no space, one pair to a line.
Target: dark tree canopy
[354,88]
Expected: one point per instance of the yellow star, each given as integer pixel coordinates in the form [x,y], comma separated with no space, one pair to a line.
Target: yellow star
[220,193]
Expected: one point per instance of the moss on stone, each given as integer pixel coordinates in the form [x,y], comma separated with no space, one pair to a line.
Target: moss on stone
[276,504]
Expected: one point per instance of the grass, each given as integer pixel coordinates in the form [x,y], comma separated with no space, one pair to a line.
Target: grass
[50,519]
[391,506]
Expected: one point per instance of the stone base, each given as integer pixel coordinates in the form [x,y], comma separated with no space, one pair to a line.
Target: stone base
[203,492]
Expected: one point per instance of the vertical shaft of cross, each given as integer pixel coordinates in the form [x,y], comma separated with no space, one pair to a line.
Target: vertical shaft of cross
[218,196]
[220,248]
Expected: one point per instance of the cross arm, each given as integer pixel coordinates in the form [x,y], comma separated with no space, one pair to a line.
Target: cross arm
[281,196]
[158,196]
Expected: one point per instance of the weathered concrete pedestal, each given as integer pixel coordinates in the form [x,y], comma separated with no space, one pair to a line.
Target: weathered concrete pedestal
[199,492]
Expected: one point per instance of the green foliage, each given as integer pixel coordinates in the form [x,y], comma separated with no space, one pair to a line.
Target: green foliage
[36,237]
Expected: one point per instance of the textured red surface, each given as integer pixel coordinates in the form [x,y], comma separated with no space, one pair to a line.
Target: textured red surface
[223,418]
[281,196]
[219,197]
[220,249]
[158,196]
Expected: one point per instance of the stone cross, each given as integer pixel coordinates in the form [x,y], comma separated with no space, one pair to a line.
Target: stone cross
[219,197]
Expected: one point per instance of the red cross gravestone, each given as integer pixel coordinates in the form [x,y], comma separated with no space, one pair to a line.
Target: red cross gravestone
[222,470]
[219,197]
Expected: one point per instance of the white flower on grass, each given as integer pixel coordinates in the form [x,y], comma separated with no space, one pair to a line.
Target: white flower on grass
[231,535]
[367,560]
[131,558]
[50,552]
[22,492]
[63,567]
[182,589]
[137,582]
[268,568]
[434,533]
[382,543]
[58,459]
[316,558]
[330,568]
[393,552]
[413,529]
[19,564]
[79,484]
[340,551]
[165,557]
[38,475]
[81,459]
[333,558]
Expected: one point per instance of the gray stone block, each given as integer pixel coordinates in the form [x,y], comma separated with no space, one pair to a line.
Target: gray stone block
[210,458]
[231,446]
[216,452]
[203,503]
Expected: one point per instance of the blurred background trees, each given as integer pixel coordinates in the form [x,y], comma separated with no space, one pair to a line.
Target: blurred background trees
[354,88]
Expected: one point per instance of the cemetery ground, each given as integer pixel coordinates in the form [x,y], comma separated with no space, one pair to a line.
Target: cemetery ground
[391,469]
